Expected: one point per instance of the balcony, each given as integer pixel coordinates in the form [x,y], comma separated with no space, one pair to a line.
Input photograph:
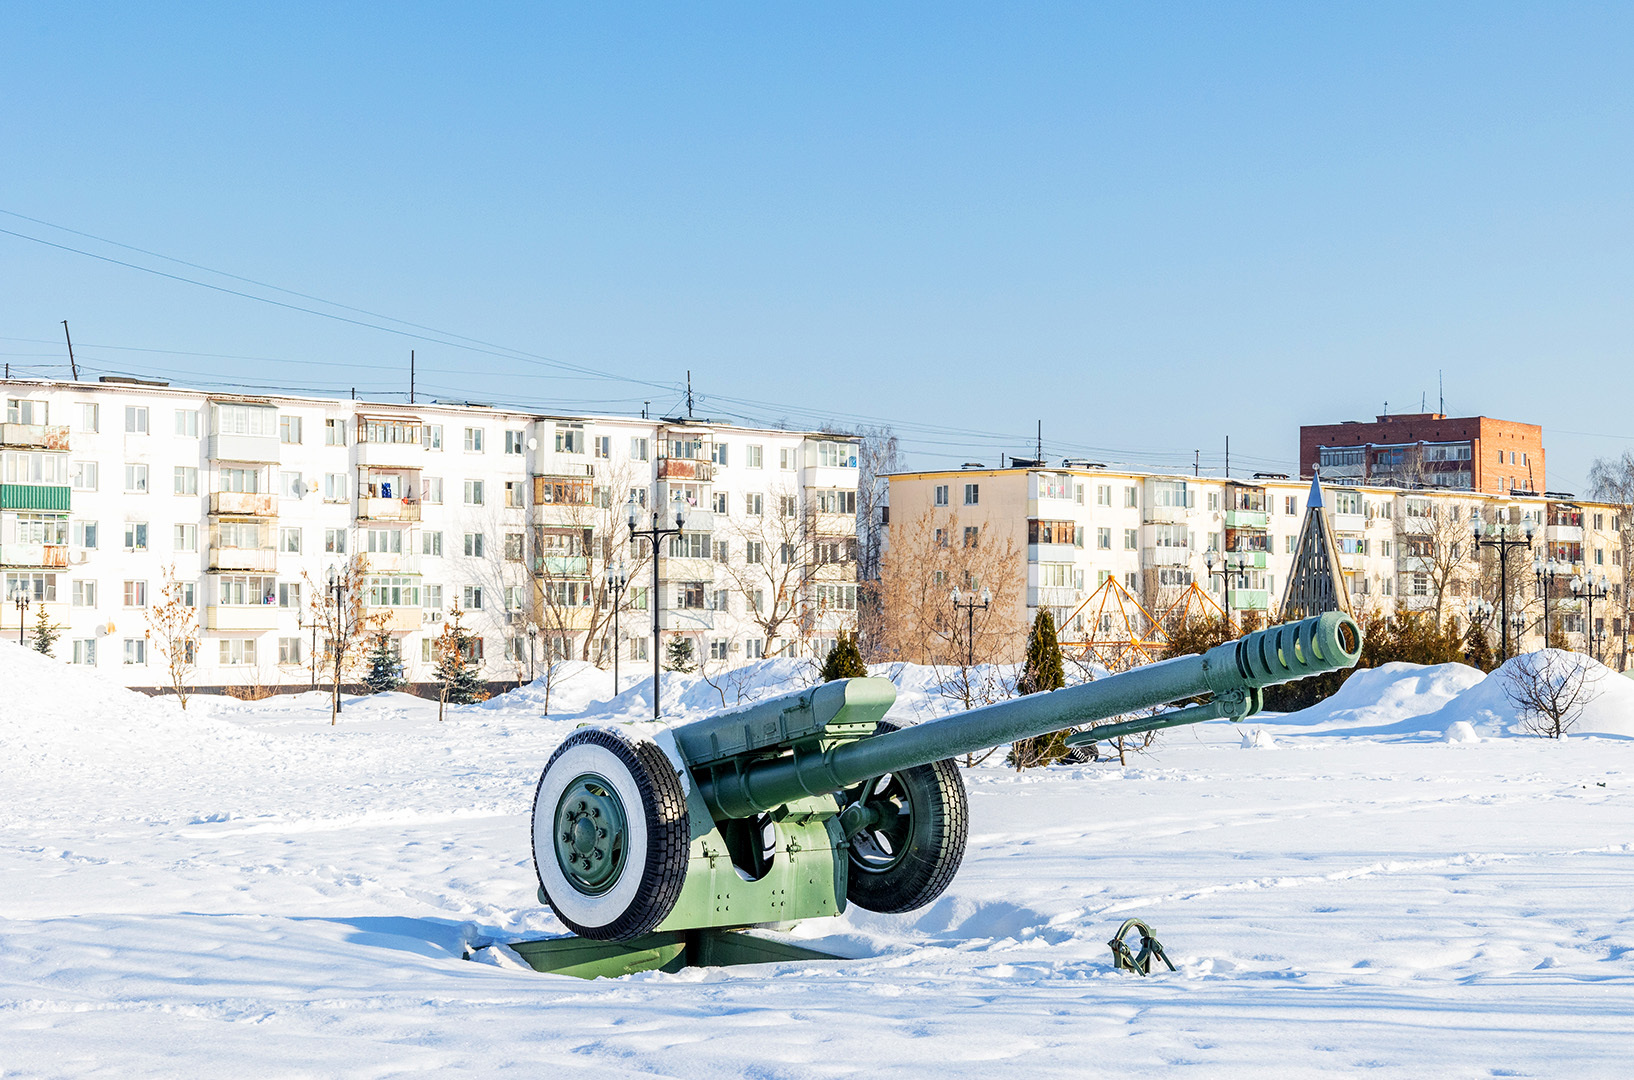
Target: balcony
[44,556]
[1168,556]
[243,504]
[257,448]
[1250,599]
[678,569]
[34,436]
[1051,553]
[264,560]
[686,619]
[388,562]
[686,469]
[1563,534]
[241,617]
[561,566]
[1349,523]
[394,619]
[34,497]
[377,509]
[1052,596]
[1352,560]
[1246,560]
[1165,515]
[1247,519]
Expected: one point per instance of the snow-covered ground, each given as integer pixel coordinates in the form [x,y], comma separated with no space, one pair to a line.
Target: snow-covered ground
[1392,884]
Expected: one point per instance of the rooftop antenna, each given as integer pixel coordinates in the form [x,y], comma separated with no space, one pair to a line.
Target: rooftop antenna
[1228,457]
[73,368]
[1039,453]
[411,376]
[645,405]
[689,395]
[1197,463]
[1441,392]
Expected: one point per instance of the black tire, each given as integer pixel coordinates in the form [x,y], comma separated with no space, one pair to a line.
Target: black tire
[906,867]
[652,845]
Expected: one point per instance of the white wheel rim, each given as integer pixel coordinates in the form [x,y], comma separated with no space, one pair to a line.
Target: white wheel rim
[605,908]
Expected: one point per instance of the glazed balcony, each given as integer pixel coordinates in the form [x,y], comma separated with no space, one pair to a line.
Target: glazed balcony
[263,560]
[382,509]
[34,436]
[561,566]
[243,504]
[686,469]
[401,619]
[1246,519]
[35,556]
[241,617]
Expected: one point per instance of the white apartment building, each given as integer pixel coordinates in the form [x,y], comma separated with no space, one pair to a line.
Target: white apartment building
[110,489]
[1155,533]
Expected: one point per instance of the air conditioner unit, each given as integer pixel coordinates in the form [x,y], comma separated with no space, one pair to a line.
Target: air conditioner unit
[433,616]
[80,557]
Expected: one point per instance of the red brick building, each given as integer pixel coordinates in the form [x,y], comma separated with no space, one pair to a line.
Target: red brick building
[1474,453]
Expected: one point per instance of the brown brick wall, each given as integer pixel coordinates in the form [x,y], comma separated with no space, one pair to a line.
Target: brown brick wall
[1488,437]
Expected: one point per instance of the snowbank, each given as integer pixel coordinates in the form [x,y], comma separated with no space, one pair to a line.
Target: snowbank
[1445,699]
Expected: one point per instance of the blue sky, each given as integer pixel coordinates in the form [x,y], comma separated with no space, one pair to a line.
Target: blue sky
[1148,226]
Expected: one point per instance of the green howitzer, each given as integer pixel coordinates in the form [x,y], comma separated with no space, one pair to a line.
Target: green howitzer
[795,806]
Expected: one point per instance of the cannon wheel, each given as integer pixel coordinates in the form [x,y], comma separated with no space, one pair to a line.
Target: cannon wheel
[610,835]
[905,861]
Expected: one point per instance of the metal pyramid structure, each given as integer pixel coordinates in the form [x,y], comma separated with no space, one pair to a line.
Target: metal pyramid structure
[1315,584]
[1121,632]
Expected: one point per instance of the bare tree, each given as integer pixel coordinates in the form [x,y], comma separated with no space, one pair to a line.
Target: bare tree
[1550,689]
[773,566]
[342,622]
[1440,547]
[173,627]
[878,456]
[1611,480]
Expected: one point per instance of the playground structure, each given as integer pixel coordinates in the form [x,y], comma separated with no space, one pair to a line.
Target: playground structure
[1121,633]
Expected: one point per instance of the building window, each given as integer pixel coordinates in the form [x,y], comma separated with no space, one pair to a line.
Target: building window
[289,650]
[640,449]
[83,475]
[786,459]
[289,595]
[85,534]
[136,594]
[514,442]
[1131,539]
[289,429]
[334,487]
[1131,498]
[334,433]
[973,494]
[941,496]
[185,538]
[473,597]
[972,536]
[473,545]
[431,490]
[473,440]
[236,652]
[720,454]
[754,456]
[473,492]
[88,416]
[431,436]
[1290,504]
[289,541]
[136,536]
[514,493]
[186,480]
[513,547]
[334,541]
[136,479]
[431,543]
[136,420]
[136,651]
[83,593]
[84,651]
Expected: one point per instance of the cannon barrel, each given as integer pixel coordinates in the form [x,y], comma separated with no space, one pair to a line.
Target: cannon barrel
[1233,673]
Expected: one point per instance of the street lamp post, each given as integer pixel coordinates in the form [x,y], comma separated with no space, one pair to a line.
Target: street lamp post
[1589,590]
[1225,579]
[1546,570]
[20,595]
[1504,540]
[655,532]
[617,578]
[969,607]
[1480,615]
[533,634]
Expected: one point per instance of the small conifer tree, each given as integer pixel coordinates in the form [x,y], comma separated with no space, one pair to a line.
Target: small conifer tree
[456,669]
[1478,648]
[1042,671]
[844,660]
[678,655]
[45,634]
[385,672]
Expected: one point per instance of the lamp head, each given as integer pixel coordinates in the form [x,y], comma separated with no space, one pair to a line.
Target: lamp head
[987,597]
[955,597]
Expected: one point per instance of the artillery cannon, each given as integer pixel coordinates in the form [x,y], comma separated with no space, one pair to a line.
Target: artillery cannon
[796,806]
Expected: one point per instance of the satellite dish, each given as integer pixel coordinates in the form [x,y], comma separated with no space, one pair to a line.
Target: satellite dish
[533,444]
[301,488]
